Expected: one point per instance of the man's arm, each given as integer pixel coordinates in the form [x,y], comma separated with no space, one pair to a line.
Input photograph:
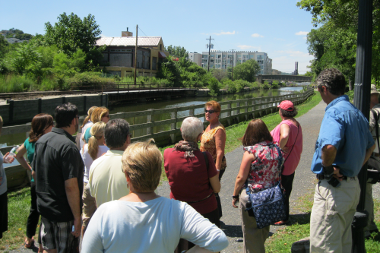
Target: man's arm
[72,193]
[368,153]
[328,155]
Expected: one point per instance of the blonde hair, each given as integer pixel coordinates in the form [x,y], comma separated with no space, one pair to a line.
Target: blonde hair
[98,113]
[88,117]
[215,105]
[142,163]
[97,132]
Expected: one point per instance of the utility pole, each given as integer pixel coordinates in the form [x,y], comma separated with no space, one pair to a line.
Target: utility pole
[137,28]
[361,101]
[232,76]
[209,45]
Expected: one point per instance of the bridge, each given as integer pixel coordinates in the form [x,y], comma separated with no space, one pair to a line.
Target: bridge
[262,78]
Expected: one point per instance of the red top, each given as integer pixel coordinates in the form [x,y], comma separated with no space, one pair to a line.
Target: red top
[189,179]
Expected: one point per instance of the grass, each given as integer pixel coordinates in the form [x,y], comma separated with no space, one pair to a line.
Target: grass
[283,239]
[19,201]
[18,211]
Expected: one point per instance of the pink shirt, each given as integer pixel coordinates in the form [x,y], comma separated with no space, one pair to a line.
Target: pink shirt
[292,161]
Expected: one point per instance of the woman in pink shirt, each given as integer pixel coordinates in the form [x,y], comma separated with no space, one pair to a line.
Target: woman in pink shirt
[288,135]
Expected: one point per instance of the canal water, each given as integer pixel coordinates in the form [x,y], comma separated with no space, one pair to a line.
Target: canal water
[10,140]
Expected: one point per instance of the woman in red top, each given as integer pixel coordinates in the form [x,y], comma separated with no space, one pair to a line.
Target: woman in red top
[190,179]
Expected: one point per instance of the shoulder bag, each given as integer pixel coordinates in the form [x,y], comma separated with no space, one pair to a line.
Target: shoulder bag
[268,205]
[373,166]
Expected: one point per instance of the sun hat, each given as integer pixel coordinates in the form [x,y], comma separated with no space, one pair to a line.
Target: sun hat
[286,105]
[373,89]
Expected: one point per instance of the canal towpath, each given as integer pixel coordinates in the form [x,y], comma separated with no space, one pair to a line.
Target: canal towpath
[304,182]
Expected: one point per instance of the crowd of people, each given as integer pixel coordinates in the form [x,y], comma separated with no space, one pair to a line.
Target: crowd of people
[97,193]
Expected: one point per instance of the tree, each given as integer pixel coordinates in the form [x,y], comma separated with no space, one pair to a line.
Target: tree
[71,33]
[333,44]
[177,51]
[3,46]
[247,70]
[219,74]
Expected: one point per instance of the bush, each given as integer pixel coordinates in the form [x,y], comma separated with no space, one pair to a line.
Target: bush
[15,83]
[87,80]
[214,87]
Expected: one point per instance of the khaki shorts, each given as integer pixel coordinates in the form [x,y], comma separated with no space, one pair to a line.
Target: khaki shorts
[89,206]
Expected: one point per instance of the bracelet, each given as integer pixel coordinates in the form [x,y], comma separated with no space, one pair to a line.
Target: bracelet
[235,196]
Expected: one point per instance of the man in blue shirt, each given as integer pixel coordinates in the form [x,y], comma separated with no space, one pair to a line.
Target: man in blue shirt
[344,144]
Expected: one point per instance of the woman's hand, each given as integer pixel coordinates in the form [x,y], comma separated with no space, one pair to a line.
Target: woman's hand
[242,175]
[9,159]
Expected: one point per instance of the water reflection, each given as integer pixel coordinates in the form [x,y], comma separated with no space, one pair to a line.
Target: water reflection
[10,140]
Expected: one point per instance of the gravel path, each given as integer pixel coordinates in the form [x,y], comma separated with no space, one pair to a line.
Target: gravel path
[303,184]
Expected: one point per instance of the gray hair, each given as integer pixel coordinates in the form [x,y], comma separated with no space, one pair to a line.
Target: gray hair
[191,128]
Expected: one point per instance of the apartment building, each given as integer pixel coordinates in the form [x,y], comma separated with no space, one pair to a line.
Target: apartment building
[225,59]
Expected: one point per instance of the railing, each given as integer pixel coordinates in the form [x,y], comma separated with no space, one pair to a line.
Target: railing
[232,112]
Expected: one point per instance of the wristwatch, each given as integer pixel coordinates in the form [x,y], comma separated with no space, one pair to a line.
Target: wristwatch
[235,196]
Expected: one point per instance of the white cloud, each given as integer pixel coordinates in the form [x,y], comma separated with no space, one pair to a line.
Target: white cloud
[246,47]
[301,33]
[256,35]
[225,33]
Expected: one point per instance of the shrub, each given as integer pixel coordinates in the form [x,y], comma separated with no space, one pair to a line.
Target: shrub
[214,87]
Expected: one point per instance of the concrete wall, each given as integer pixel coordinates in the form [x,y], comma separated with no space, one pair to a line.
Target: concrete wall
[23,111]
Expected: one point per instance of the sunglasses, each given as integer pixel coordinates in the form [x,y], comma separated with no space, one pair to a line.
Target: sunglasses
[210,111]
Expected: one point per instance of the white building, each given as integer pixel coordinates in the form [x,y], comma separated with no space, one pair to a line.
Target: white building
[225,59]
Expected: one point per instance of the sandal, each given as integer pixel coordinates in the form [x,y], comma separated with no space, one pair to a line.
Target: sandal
[30,244]
[281,223]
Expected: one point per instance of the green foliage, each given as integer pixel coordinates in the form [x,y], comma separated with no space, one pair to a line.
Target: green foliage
[213,86]
[219,74]
[240,85]
[333,43]
[15,83]
[71,33]
[3,46]
[177,51]
[18,34]
[247,70]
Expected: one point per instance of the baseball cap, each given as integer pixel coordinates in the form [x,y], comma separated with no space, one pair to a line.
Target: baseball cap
[286,105]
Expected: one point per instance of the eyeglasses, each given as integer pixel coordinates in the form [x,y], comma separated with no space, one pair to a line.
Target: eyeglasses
[107,116]
[210,111]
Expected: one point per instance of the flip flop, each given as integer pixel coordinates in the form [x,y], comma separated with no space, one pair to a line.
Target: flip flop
[29,245]
[280,223]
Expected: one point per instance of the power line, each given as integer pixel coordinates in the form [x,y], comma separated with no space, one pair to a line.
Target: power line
[142,32]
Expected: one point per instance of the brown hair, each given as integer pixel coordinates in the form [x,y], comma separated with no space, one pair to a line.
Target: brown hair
[97,132]
[88,117]
[256,132]
[98,113]
[40,123]
[215,105]
[142,163]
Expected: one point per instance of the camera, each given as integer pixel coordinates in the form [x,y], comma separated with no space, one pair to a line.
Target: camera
[334,182]
[373,176]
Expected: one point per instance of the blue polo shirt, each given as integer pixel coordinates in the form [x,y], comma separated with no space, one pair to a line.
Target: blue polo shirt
[346,128]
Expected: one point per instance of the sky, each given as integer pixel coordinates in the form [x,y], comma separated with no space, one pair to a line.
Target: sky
[277,27]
